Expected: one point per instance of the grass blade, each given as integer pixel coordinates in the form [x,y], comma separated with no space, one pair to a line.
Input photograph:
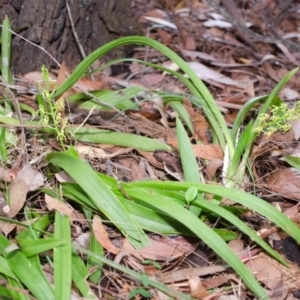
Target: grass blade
[21,267]
[137,276]
[6,50]
[62,256]
[205,233]
[183,114]
[246,199]
[79,276]
[31,247]
[102,197]
[95,135]
[202,94]
[188,161]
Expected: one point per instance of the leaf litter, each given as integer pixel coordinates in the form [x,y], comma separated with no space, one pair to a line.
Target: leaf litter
[234,74]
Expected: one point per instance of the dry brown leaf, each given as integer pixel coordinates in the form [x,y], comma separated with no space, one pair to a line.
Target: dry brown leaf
[158,104]
[244,254]
[95,152]
[212,167]
[212,283]
[169,159]
[296,130]
[86,84]
[156,13]
[209,152]
[34,179]
[63,208]
[17,196]
[165,249]
[201,127]
[152,80]
[62,176]
[102,236]
[126,162]
[61,76]
[164,36]
[292,211]
[138,172]
[83,240]
[151,159]
[276,74]
[198,291]
[211,75]
[285,183]
[193,55]
[289,94]
[270,275]
[37,78]
[236,246]
[189,43]
[60,101]
[188,107]
[7,227]
[183,274]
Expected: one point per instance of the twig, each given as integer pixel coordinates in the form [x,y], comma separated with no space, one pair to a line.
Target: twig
[84,121]
[82,52]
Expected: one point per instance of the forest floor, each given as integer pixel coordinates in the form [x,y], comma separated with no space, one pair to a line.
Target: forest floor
[237,61]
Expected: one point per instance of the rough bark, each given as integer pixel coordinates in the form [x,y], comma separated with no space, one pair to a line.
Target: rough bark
[46,23]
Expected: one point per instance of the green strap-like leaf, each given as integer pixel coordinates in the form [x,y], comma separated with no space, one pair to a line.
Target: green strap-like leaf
[205,233]
[101,195]
[62,256]
[25,271]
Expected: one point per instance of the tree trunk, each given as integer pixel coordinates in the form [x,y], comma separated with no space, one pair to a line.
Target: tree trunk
[46,23]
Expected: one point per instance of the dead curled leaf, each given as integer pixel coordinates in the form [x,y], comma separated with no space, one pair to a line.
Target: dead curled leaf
[7,227]
[34,179]
[102,236]
[197,289]
[17,196]
[285,183]
[164,249]
[63,208]
[208,152]
[204,151]
[270,275]
[183,274]
[212,167]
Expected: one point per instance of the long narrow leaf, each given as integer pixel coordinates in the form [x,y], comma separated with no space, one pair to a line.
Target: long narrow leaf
[137,276]
[21,267]
[31,247]
[62,256]
[246,199]
[101,196]
[6,50]
[188,160]
[201,92]
[95,135]
[206,234]
[79,275]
